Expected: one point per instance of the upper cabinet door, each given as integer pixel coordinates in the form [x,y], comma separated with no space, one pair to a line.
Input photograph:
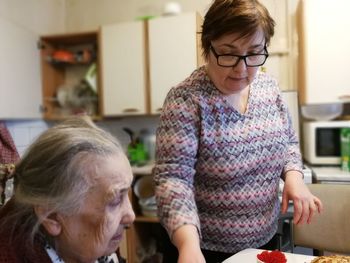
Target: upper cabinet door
[324,51]
[123,68]
[20,86]
[173,53]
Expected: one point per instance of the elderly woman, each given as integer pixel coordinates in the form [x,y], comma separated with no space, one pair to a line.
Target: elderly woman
[70,202]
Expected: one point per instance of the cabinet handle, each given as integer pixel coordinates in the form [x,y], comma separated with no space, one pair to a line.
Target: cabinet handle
[159,110]
[344,97]
[131,110]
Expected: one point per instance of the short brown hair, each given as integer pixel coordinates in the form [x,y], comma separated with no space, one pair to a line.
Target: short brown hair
[232,16]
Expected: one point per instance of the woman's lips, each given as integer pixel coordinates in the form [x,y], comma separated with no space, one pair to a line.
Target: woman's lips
[238,78]
[117,236]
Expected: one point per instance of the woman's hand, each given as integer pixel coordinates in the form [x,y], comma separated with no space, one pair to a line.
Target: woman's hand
[305,203]
[186,240]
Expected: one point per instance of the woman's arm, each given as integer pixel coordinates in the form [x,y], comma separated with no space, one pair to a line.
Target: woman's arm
[186,239]
[176,155]
[305,203]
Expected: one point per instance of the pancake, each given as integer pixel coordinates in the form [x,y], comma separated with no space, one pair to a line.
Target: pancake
[332,259]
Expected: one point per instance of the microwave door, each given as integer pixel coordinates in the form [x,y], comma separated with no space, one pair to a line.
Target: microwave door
[328,145]
[328,142]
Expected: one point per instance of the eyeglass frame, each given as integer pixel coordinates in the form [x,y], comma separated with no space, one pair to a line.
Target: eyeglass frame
[216,55]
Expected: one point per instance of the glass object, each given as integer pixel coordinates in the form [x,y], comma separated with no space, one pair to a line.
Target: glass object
[322,112]
[328,142]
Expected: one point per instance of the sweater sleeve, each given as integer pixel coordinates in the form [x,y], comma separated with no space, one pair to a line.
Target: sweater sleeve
[293,159]
[177,144]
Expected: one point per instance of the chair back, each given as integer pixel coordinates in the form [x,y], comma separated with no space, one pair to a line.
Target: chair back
[330,230]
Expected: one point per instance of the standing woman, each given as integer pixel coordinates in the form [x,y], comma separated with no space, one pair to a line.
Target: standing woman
[224,140]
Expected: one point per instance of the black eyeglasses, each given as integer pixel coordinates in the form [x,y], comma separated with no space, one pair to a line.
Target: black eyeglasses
[230,60]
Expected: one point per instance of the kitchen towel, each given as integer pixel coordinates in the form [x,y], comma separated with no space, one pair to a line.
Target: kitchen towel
[8,151]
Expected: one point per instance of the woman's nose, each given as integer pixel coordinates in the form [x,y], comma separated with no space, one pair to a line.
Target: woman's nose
[129,214]
[240,66]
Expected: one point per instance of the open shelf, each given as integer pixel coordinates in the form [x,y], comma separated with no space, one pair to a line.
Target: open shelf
[66,60]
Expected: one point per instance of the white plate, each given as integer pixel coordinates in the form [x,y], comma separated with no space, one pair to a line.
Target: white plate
[249,256]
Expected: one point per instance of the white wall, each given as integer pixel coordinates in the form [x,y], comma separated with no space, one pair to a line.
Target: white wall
[84,15]
[90,14]
[25,132]
[39,16]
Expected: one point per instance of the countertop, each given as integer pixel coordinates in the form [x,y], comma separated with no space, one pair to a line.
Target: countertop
[143,170]
[332,174]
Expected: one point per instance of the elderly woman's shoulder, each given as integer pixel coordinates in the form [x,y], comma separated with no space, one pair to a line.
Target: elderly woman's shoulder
[7,252]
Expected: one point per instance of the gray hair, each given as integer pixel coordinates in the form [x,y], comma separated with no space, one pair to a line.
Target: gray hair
[52,172]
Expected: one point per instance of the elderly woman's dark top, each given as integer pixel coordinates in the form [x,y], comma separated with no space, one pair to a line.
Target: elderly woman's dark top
[15,247]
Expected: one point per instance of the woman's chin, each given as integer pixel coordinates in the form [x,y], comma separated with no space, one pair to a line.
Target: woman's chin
[112,246]
[232,88]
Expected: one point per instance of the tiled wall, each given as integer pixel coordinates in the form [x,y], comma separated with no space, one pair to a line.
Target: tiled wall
[136,124]
[26,131]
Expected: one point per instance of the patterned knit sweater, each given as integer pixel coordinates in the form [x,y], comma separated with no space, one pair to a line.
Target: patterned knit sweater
[218,169]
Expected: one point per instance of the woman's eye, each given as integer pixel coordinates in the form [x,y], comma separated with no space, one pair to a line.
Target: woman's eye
[115,202]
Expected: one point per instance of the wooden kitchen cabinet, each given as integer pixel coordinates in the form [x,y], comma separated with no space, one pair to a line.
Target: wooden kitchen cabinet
[142,60]
[174,52]
[324,51]
[124,66]
[119,54]
[20,93]
[138,62]
[65,62]
[281,61]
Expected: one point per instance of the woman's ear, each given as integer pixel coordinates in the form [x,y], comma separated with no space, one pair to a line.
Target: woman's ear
[50,222]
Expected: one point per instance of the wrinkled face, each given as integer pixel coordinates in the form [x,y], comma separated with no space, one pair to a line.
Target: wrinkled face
[97,229]
[230,80]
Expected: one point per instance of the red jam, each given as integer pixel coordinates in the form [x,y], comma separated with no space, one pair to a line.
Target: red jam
[272,257]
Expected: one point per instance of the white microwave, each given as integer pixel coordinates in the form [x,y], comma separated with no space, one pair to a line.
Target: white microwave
[321,142]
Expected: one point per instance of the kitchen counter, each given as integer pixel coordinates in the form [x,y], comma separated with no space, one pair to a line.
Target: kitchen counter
[332,174]
[143,170]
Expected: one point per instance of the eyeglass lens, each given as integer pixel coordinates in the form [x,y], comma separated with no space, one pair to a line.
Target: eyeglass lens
[250,60]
